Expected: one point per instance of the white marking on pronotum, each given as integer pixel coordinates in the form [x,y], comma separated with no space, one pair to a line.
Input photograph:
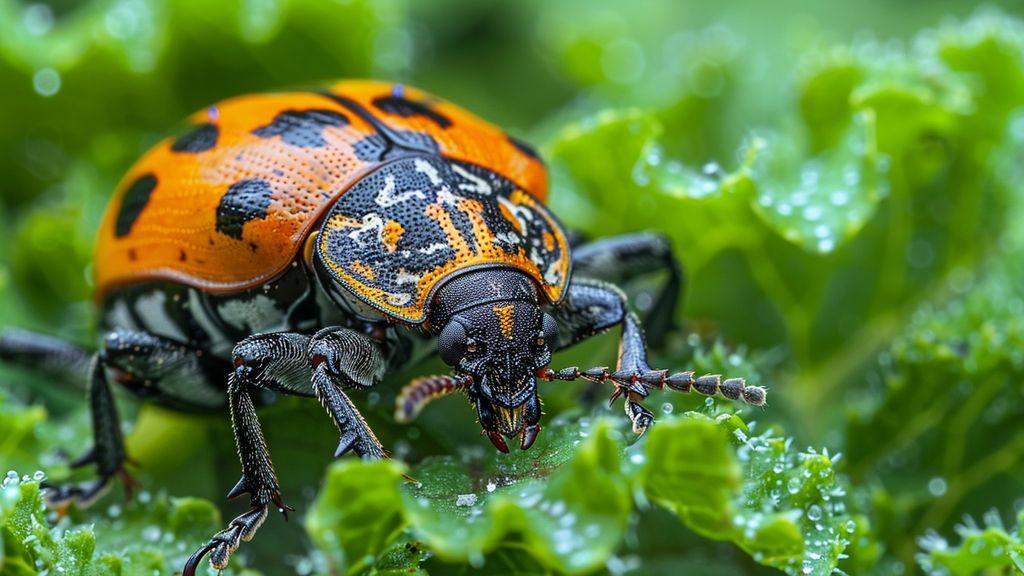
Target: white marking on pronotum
[387,196]
[508,238]
[536,258]
[371,223]
[405,277]
[446,198]
[475,184]
[553,275]
[397,299]
[433,248]
[522,213]
[428,169]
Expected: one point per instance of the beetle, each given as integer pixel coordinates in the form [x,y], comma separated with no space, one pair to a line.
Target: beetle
[307,243]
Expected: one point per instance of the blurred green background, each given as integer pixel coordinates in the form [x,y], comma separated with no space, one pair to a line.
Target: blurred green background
[842,182]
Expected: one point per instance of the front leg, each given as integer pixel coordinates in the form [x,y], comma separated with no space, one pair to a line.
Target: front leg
[343,358]
[273,361]
[291,364]
[592,307]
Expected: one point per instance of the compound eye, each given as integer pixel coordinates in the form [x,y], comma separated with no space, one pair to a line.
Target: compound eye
[451,343]
[548,331]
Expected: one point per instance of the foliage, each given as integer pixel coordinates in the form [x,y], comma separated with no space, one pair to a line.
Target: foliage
[845,205]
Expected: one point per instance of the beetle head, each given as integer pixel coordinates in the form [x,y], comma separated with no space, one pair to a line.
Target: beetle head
[499,346]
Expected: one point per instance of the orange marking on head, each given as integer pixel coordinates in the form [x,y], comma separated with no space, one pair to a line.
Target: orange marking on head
[506,319]
[363,270]
[549,241]
[391,234]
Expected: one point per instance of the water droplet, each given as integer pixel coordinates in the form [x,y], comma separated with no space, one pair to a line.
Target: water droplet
[784,209]
[491,486]
[839,198]
[38,19]
[937,486]
[793,486]
[465,500]
[822,231]
[826,245]
[851,526]
[814,512]
[46,82]
[11,478]
[778,467]
[667,408]
[812,213]
[711,169]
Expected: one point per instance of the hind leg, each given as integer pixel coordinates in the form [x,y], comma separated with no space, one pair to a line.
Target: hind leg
[50,355]
[148,365]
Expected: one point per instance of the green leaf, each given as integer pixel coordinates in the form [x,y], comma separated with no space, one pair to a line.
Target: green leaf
[358,513]
[153,535]
[982,549]
[692,471]
[785,508]
[533,496]
[823,201]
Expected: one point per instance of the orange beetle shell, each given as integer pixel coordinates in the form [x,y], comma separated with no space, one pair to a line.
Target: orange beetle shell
[171,218]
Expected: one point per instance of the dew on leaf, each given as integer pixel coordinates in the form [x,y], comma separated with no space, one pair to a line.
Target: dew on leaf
[814,512]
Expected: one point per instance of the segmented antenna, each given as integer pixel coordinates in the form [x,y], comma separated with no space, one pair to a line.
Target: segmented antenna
[640,382]
[422,391]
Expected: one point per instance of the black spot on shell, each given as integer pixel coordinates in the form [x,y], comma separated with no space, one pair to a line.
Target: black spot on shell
[200,139]
[302,128]
[394,104]
[244,201]
[132,203]
[525,148]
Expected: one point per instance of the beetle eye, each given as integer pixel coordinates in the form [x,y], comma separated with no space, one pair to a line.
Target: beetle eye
[451,343]
[471,346]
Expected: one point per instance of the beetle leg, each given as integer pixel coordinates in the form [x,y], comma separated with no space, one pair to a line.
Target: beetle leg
[107,453]
[275,361]
[621,259]
[343,358]
[592,307]
[51,355]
